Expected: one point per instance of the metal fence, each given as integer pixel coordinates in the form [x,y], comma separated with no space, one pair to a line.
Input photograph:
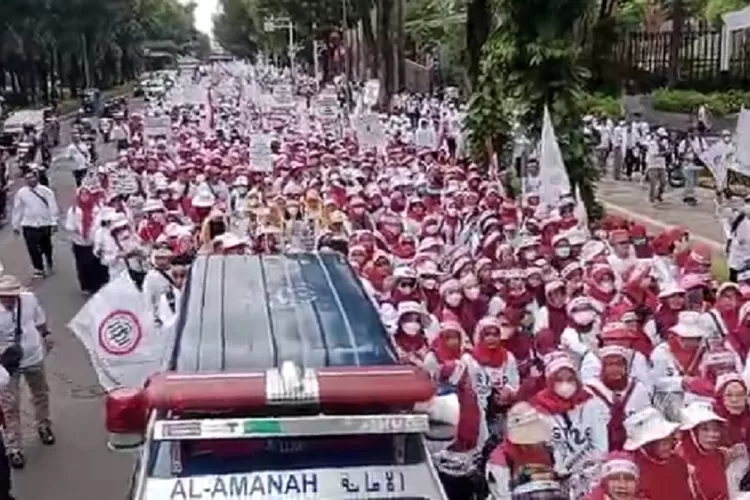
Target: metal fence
[646,58]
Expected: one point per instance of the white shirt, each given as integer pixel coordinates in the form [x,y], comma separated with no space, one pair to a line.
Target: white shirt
[32,316]
[74,226]
[79,154]
[155,284]
[30,209]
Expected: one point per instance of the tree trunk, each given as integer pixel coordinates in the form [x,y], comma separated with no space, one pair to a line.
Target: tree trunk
[385,42]
[478,24]
[372,57]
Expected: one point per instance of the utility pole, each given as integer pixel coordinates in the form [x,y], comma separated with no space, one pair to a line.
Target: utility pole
[274,24]
[316,57]
[86,73]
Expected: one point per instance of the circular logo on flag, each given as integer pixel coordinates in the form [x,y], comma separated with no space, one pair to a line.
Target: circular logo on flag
[120,333]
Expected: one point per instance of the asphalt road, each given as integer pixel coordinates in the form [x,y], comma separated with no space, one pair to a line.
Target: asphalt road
[79,466]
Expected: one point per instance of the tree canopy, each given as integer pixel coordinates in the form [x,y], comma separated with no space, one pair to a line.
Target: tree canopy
[46,45]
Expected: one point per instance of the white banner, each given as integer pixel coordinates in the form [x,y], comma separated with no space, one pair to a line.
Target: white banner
[328,107]
[742,140]
[261,155]
[553,177]
[283,94]
[120,336]
[157,125]
[370,131]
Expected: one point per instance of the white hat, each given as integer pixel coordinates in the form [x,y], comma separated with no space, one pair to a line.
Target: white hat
[647,426]
[671,289]
[557,363]
[689,318]
[10,286]
[119,222]
[526,425]
[696,413]
[152,205]
[687,331]
[230,240]
[409,307]
[203,197]
[615,350]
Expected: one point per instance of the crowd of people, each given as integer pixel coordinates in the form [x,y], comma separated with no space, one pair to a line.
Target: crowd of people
[589,361]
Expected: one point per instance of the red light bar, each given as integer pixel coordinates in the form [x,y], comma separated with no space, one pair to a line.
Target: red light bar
[396,386]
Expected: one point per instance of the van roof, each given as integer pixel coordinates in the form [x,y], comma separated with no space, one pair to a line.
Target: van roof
[247,313]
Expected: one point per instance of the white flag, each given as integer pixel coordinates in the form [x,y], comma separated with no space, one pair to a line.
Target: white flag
[553,177]
[124,344]
[742,140]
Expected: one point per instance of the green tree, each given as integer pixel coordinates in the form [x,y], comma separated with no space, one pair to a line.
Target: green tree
[530,61]
[49,44]
[238,27]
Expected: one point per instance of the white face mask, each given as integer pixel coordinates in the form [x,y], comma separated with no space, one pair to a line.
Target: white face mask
[293,211]
[472,293]
[607,287]
[453,299]
[452,212]
[530,255]
[583,318]
[565,389]
[506,332]
[429,283]
[563,252]
[411,328]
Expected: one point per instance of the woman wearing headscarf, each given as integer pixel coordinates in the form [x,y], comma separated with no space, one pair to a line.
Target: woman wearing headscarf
[617,334]
[671,303]
[651,439]
[553,315]
[699,447]
[449,346]
[409,333]
[580,336]
[579,426]
[738,339]
[618,479]
[524,455]
[621,394]
[497,379]
[454,305]
[80,223]
[730,403]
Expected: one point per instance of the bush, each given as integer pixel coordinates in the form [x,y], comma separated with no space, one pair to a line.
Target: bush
[604,105]
[688,101]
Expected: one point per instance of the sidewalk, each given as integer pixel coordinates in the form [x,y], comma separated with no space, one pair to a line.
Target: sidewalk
[630,199]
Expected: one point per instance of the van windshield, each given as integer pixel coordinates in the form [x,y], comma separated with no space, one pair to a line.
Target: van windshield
[171,459]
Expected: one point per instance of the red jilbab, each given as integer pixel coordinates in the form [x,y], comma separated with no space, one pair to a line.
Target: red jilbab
[708,468]
[662,478]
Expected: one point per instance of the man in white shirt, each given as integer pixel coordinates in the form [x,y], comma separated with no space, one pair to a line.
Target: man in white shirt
[79,154]
[35,215]
[23,326]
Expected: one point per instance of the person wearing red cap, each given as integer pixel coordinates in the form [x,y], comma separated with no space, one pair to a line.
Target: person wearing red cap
[641,242]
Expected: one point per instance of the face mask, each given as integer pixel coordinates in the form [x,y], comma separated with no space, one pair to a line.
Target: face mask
[472,293]
[607,286]
[583,318]
[429,284]
[453,299]
[411,328]
[565,389]
[562,252]
[529,255]
[452,212]
[506,332]
[293,211]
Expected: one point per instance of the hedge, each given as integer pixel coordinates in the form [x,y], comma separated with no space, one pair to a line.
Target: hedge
[603,105]
[688,101]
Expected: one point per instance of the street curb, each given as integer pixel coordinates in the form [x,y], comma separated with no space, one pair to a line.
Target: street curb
[644,219]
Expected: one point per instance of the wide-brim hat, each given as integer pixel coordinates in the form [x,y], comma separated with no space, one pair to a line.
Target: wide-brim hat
[696,413]
[647,426]
[526,425]
[10,286]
